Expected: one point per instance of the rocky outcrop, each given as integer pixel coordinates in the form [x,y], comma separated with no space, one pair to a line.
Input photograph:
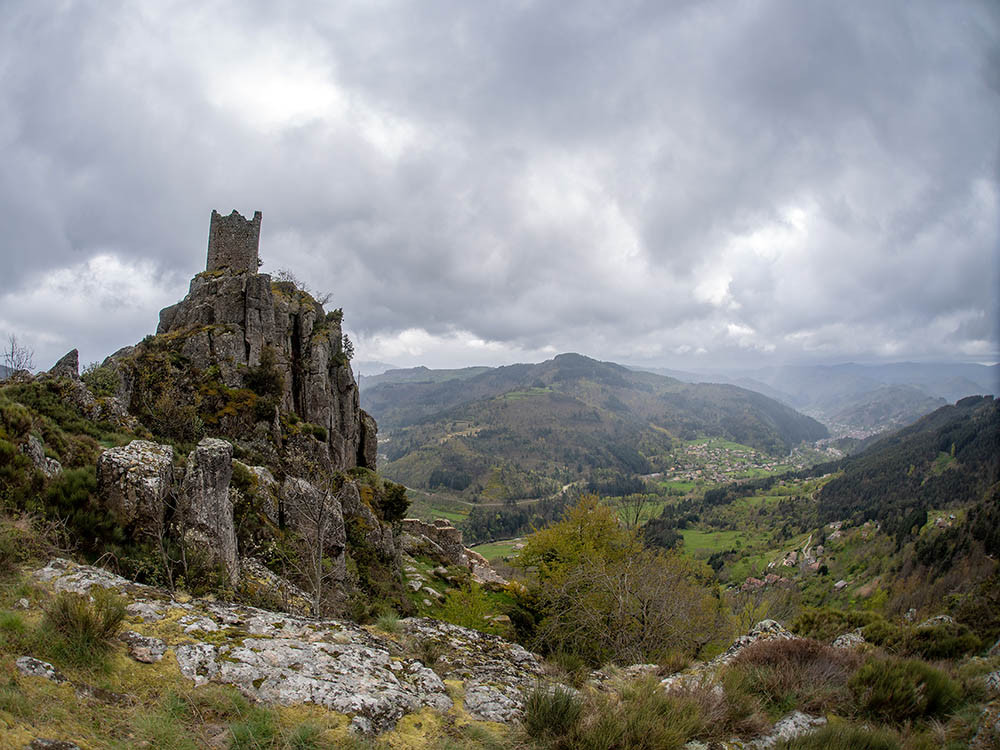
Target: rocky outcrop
[235,319]
[444,541]
[134,482]
[762,631]
[285,659]
[68,366]
[377,535]
[206,507]
[368,444]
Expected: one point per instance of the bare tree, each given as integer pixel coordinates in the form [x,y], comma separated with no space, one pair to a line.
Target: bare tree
[16,356]
[633,508]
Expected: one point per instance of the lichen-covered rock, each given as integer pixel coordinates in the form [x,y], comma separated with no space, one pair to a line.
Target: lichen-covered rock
[263,584]
[853,640]
[133,482]
[496,673]
[143,649]
[40,743]
[68,366]
[34,450]
[206,504]
[285,659]
[30,666]
[791,726]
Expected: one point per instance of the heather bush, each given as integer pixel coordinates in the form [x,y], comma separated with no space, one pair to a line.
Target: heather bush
[795,673]
[551,711]
[896,690]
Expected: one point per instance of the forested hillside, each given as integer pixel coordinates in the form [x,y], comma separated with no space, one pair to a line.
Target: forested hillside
[949,456]
[532,428]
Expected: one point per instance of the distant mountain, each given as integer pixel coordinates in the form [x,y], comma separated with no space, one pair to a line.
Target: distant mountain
[370,367]
[4,372]
[886,408]
[536,426]
[422,375]
[857,397]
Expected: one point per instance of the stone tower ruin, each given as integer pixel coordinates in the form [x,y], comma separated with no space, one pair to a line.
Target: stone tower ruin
[233,243]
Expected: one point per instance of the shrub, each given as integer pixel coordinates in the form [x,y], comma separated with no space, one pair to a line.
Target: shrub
[393,502]
[84,630]
[796,673]
[101,380]
[643,718]
[946,640]
[896,690]
[429,651]
[389,622]
[265,379]
[842,738]
[551,711]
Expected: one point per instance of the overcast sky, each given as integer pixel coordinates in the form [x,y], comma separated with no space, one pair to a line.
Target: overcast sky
[676,183]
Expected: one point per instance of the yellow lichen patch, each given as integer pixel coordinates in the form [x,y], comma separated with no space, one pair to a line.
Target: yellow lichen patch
[416,731]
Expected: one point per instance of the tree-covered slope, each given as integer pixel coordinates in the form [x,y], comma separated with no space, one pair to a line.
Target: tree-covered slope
[951,454]
[538,426]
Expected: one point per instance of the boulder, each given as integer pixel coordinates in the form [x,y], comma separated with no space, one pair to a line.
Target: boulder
[68,366]
[32,667]
[143,648]
[206,506]
[851,641]
[34,450]
[134,481]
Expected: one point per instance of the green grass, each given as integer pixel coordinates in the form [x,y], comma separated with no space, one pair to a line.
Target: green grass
[678,485]
[496,550]
[698,542]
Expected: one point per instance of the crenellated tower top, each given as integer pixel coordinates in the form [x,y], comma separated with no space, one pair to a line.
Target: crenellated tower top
[233,243]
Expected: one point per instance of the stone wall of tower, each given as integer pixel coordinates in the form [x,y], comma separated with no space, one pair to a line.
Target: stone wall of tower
[233,243]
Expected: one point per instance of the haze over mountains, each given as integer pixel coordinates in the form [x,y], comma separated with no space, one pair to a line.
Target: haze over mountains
[858,397]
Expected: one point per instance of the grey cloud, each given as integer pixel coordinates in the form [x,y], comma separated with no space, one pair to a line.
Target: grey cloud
[680,126]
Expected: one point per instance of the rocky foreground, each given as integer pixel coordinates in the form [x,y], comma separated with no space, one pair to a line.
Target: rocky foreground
[374,677]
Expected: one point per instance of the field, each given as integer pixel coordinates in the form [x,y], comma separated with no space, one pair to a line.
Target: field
[496,550]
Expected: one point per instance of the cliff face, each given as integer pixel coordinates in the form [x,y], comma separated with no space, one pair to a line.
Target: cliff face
[242,327]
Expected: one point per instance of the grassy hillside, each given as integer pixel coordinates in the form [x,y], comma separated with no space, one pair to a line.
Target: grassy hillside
[912,521]
[527,430]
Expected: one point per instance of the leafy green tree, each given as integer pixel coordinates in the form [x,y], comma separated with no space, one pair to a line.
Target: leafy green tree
[599,594]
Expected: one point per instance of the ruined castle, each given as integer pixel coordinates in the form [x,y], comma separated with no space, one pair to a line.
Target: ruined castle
[232,314]
[233,243]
